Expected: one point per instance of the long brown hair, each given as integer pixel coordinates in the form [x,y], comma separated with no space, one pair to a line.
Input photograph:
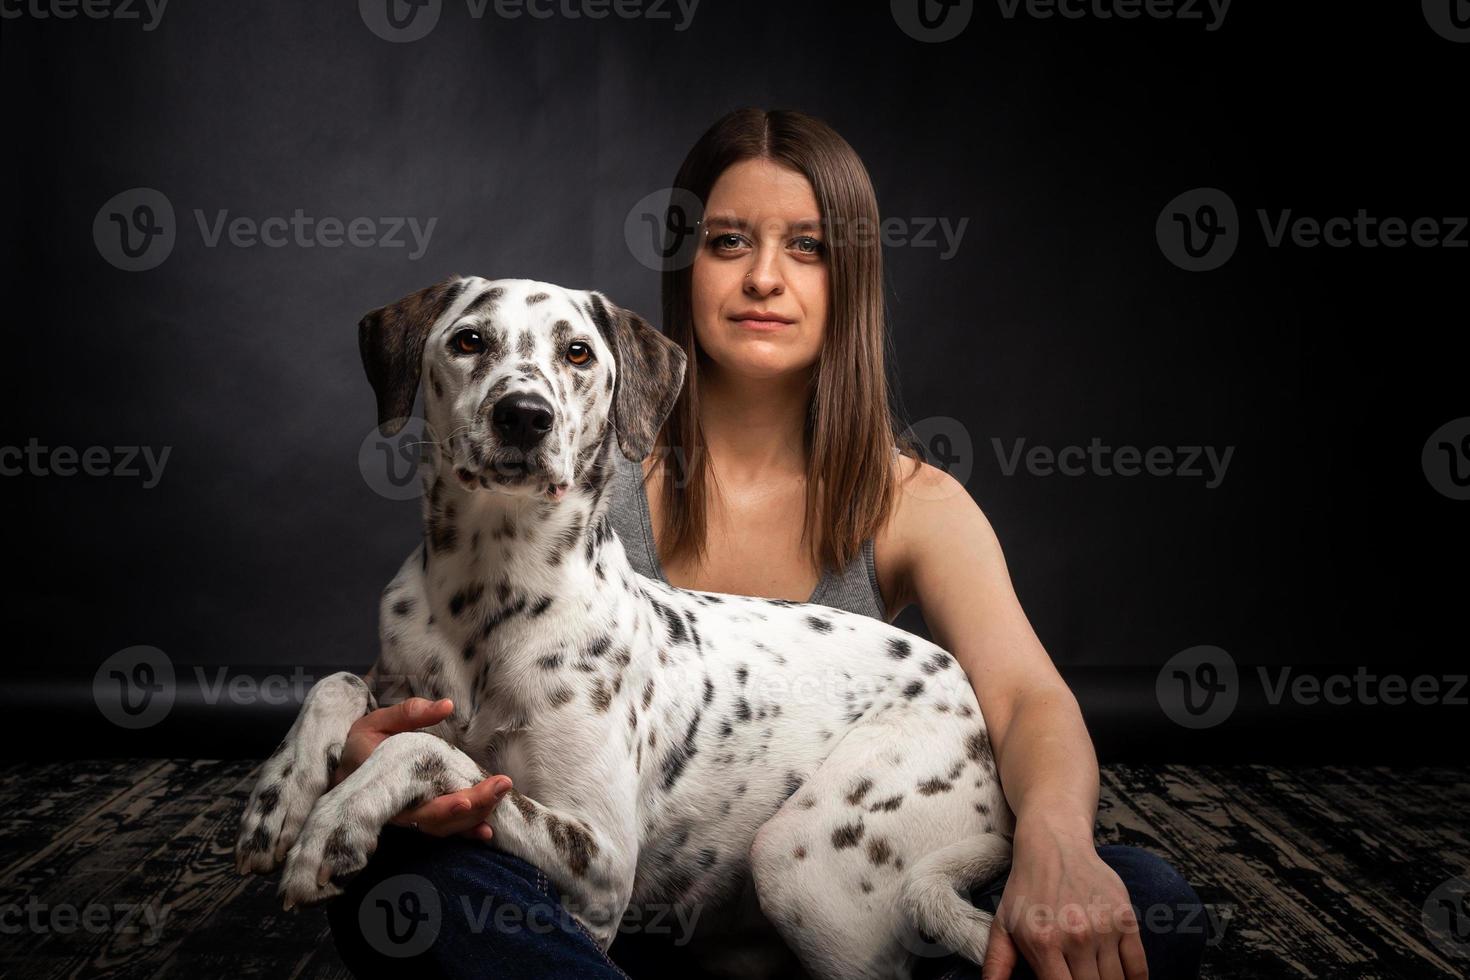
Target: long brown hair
[850,430]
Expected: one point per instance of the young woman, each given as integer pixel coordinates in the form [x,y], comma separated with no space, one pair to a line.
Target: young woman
[781,473]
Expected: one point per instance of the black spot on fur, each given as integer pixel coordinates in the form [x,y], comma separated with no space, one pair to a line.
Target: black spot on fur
[913,689]
[858,791]
[465,597]
[847,835]
[540,606]
[818,624]
[269,798]
[742,709]
[898,648]
[403,607]
[680,754]
[934,785]
[937,661]
[977,748]
[709,691]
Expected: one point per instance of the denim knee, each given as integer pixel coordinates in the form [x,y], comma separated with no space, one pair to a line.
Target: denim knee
[1172,921]
[454,907]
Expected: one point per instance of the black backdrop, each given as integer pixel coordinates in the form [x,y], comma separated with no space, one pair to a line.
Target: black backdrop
[1333,544]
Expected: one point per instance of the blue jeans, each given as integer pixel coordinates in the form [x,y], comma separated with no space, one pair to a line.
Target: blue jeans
[453,907]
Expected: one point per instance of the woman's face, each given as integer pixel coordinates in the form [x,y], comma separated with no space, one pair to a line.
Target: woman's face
[760,277]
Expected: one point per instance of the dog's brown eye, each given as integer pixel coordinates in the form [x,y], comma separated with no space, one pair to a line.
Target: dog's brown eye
[579,353]
[469,342]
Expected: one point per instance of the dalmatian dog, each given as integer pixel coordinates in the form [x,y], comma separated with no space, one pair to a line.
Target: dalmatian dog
[831,772]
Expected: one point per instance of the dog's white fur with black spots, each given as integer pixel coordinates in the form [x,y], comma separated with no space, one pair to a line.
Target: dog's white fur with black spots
[765,762]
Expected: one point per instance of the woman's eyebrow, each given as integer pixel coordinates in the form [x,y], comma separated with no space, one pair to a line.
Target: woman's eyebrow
[723,221]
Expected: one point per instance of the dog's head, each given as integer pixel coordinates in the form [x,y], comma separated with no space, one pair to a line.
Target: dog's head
[522,379]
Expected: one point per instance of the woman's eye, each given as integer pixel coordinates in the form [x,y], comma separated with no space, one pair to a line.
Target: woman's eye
[579,353]
[727,240]
[810,246]
[468,342]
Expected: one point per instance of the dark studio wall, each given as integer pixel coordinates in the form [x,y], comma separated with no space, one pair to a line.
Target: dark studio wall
[1033,167]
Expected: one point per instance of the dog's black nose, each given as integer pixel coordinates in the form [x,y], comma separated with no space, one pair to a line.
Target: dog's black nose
[522,419]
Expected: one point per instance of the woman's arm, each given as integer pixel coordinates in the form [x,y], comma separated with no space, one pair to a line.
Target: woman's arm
[944,555]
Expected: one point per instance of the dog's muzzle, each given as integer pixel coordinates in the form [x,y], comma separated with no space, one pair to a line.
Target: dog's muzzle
[520,421]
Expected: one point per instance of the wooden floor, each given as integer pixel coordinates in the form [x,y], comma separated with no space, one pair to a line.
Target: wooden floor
[1320,872]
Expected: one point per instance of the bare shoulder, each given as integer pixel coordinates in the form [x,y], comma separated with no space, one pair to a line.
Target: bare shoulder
[933,515]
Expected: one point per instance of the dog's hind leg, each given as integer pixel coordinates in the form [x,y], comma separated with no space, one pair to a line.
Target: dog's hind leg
[830,866]
[299,771]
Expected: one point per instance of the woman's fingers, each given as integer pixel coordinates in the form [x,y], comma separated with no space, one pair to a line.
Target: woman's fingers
[407,716]
[459,812]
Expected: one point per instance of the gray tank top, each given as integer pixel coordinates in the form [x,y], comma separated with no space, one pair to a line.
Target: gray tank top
[855,590]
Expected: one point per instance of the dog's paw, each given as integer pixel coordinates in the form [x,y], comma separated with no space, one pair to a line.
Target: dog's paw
[332,846]
[288,788]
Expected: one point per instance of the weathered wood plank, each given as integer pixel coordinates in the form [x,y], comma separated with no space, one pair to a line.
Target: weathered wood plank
[1323,870]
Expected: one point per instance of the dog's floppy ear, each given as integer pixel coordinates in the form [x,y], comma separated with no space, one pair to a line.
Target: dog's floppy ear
[391,340]
[650,374]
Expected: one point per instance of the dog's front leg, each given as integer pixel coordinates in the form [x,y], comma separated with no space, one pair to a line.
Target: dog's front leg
[299,771]
[594,872]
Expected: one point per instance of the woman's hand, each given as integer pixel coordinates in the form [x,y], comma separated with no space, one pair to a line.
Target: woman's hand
[1066,910]
[463,812]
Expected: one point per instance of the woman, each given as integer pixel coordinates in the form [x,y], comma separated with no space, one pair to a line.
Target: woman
[784,413]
